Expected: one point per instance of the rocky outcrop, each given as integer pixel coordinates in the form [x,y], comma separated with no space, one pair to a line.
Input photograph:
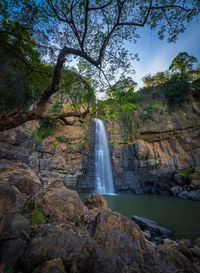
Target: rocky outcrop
[68,155]
[98,241]
[7,200]
[21,177]
[161,146]
[95,200]
[148,225]
[59,204]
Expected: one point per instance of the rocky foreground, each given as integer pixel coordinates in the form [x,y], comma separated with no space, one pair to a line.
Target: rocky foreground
[50,230]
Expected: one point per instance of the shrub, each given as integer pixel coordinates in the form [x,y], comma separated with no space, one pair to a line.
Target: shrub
[176,90]
[37,217]
[189,171]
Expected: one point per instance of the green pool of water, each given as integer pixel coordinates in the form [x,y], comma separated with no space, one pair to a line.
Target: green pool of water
[182,216]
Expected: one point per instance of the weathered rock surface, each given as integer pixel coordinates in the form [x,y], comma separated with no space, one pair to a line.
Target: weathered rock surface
[59,204]
[20,176]
[7,200]
[52,266]
[153,227]
[10,253]
[95,200]
[74,241]
[63,156]
[17,227]
[160,147]
[167,143]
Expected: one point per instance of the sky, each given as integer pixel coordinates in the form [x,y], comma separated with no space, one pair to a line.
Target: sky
[156,55]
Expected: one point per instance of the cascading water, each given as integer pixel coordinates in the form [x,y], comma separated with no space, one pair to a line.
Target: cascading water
[104,179]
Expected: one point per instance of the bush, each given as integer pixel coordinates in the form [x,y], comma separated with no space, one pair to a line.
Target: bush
[37,217]
[189,171]
[176,90]
[196,85]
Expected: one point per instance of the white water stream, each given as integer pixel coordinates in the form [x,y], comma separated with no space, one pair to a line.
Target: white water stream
[104,178]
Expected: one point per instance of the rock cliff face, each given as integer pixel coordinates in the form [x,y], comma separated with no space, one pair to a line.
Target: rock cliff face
[67,155]
[160,147]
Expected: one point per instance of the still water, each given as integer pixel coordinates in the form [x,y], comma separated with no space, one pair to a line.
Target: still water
[181,216]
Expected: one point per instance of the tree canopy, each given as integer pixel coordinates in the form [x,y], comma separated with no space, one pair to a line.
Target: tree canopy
[183,62]
[92,31]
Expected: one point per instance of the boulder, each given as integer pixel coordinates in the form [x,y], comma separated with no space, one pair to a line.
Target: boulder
[95,200]
[106,220]
[193,195]
[10,253]
[60,204]
[152,226]
[195,181]
[173,258]
[17,227]
[56,183]
[7,200]
[195,251]
[197,242]
[176,190]
[48,243]
[20,176]
[51,266]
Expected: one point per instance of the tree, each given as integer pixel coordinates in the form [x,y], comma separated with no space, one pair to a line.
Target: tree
[23,77]
[121,88]
[148,80]
[157,79]
[94,31]
[183,62]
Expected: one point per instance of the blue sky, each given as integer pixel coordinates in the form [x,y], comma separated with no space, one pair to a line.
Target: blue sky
[156,55]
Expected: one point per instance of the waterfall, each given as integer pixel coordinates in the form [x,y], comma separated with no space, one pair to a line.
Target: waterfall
[104,179]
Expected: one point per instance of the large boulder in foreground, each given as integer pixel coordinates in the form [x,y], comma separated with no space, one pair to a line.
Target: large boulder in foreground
[60,204]
[96,200]
[10,253]
[21,177]
[49,243]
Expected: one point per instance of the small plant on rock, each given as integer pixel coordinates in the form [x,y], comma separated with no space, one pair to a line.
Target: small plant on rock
[37,217]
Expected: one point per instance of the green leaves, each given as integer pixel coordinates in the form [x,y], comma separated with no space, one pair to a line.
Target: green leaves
[183,62]
[37,217]
[23,76]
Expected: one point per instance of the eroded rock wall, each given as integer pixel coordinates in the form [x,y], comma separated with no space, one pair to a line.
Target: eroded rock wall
[160,147]
[66,155]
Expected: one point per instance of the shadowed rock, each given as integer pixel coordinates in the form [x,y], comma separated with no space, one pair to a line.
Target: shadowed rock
[95,200]
[60,204]
[7,199]
[20,176]
[152,226]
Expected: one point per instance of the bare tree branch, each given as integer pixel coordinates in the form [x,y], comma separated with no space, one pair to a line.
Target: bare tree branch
[138,24]
[172,6]
[86,23]
[105,42]
[101,7]
[166,17]
[19,118]
[148,13]
[49,2]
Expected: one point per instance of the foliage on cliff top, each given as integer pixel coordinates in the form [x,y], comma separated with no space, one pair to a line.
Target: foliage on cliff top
[165,92]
